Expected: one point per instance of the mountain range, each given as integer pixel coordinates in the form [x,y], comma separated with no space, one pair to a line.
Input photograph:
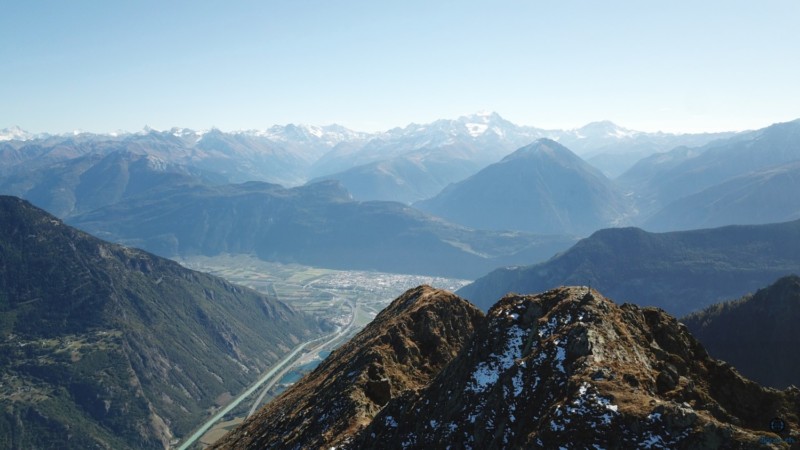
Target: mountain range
[761,196]
[567,368]
[317,224]
[402,164]
[95,180]
[661,179]
[104,346]
[678,271]
[542,188]
[419,162]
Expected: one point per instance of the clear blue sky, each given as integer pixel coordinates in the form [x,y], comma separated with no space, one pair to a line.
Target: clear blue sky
[104,65]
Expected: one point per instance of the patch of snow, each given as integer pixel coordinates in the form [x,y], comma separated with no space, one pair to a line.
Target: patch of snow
[390,422]
[516,381]
[476,129]
[652,441]
[488,372]
[561,355]
[547,329]
[410,441]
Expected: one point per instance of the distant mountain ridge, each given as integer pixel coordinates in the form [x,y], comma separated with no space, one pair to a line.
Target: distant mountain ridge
[444,165]
[104,346]
[293,154]
[317,224]
[661,179]
[566,367]
[678,271]
[95,180]
[541,188]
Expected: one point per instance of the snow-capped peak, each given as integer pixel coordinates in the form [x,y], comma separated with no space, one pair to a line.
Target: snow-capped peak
[15,133]
[604,129]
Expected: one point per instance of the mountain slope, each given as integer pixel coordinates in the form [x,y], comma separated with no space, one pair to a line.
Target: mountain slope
[416,162]
[105,346]
[763,196]
[317,224]
[678,271]
[407,344]
[664,178]
[757,333]
[406,178]
[88,182]
[614,149]
[541,188]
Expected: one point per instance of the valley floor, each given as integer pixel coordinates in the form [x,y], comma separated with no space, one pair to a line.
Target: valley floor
[348,299]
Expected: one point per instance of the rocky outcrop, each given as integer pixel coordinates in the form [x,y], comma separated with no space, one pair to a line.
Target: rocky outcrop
[567,368]
[403,348]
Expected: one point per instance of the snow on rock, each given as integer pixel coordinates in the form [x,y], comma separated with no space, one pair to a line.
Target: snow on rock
[487,372]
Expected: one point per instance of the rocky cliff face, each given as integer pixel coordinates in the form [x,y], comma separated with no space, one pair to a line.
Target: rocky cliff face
[406,345]
[567,368]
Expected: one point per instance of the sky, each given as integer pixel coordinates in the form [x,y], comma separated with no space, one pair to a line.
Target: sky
[679,66]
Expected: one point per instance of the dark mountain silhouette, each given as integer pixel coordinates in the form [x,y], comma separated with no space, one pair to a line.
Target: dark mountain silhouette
[541,188]
[567,367]
[678,271]
[758,333]
[105,346]
[317,224]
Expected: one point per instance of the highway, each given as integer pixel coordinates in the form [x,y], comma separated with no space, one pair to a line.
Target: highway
[270,378]
[209,423]
[319,347]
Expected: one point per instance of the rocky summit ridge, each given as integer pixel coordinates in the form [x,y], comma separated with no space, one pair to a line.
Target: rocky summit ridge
[567,368]
[401,350]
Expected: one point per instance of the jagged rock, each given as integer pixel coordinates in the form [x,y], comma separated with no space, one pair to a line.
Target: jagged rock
[379,391]
[667,378]
[643,382]
[567,368]
[403,348]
